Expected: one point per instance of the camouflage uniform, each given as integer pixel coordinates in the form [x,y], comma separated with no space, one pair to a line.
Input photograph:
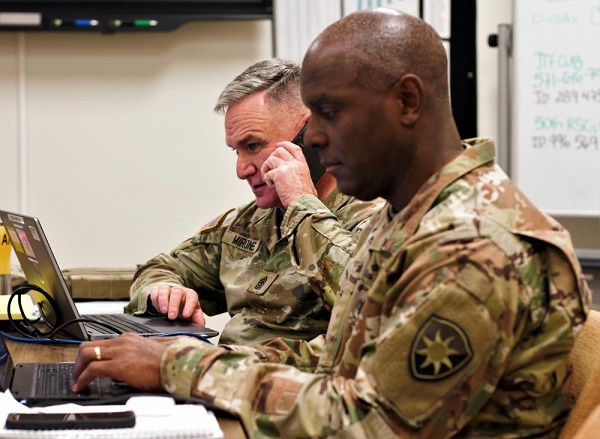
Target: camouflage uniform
[244,263]
[455,318]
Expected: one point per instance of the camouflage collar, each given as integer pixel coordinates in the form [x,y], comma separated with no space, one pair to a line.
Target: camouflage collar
[478,152]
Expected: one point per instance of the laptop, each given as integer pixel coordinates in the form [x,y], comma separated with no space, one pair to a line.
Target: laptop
[50,383]
[45,384]
[41,269]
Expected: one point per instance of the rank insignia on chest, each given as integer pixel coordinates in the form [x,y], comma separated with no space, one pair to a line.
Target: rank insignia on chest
[439,349]
[262,282]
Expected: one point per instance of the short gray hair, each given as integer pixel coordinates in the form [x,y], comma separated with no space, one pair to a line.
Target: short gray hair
[281,79]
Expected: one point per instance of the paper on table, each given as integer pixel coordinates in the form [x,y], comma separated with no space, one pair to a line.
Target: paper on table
[157,417]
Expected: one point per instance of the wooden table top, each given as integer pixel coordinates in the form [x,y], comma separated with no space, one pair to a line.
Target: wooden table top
[36,353]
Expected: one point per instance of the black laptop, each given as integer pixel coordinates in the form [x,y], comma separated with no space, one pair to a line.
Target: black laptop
[50,383]
[41,269]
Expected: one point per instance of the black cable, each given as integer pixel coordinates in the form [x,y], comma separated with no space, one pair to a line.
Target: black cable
[32,334]
[82,320]
[26,328]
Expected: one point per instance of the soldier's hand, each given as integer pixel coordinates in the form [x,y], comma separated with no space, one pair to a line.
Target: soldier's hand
[177,302]
[129,358]
[287,170]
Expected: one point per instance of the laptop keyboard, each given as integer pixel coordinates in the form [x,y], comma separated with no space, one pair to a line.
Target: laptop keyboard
[54,380]
[122,325]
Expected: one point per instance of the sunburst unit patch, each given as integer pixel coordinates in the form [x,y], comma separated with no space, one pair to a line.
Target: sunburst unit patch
[439,349]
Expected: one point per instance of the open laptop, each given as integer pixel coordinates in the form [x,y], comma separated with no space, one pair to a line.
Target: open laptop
[50,383]
[44,384]
[41,269]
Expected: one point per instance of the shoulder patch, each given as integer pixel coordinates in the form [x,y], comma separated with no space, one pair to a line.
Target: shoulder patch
[215,222]
[421,376]
[440,348]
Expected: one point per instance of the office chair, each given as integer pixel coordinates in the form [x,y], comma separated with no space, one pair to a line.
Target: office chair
[584,420]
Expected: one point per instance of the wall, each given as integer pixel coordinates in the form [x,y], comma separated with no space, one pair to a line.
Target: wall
[111,139]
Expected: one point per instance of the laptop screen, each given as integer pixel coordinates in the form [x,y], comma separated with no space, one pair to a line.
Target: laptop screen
[40,268]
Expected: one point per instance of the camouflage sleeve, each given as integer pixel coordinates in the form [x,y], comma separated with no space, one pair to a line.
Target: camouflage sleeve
[302,354]
[321,241]
[272,400]
[440,337]
[193,264]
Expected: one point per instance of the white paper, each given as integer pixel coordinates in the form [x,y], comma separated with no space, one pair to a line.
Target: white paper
[156,417]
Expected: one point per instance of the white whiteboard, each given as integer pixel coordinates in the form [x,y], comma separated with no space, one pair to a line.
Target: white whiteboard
[555,142]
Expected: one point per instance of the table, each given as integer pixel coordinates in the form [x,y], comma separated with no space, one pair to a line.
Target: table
[36,353]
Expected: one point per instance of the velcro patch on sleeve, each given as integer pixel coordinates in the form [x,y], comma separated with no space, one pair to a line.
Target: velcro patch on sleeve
[440,349]
[215,222]
[425,359]
[277,395]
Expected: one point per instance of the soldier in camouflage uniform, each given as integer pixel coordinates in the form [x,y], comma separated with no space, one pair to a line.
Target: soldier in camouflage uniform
[456,316]
[247,260]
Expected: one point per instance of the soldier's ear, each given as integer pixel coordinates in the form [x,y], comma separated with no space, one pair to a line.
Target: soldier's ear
[408,92]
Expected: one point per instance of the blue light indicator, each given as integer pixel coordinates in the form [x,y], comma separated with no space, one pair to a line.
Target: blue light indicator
[84,22]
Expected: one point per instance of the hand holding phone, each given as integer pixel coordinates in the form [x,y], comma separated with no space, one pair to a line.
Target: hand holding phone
[285,170]
[57,421]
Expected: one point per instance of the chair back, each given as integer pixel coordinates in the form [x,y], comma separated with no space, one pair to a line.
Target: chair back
[585,359]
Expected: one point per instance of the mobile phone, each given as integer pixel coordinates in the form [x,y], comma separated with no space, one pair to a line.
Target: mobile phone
[311,155]
[54,421]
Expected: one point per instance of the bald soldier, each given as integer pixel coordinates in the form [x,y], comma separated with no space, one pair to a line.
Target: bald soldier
[457,315]
[247,260]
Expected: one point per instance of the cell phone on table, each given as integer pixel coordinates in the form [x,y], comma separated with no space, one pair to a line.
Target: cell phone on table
[311,155]
[55,421]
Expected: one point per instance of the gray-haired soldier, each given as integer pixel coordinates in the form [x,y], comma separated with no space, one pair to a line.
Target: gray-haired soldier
[274,264]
